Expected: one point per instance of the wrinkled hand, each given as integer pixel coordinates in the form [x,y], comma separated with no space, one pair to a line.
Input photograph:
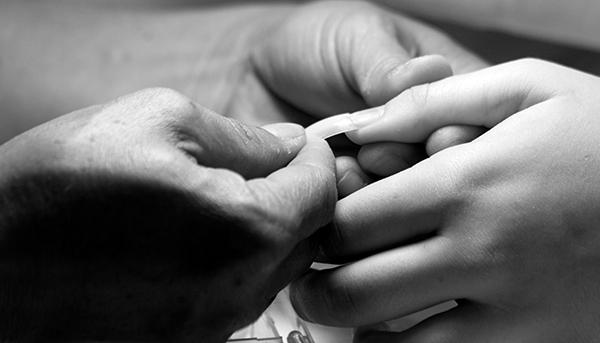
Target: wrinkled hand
[150,218]
[507,225]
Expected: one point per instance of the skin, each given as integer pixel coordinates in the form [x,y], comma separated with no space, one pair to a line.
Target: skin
[233,59]
[506,224]
[154,161]
[364,57]
[150,218]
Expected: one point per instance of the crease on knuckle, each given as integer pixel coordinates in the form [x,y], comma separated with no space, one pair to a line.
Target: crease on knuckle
[417,98]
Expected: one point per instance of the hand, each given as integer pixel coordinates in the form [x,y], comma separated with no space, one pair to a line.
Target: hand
[150,218]
[341,56]
[506,225]
[243,61]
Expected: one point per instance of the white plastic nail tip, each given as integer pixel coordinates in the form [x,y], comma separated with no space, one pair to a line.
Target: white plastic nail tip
[345,122]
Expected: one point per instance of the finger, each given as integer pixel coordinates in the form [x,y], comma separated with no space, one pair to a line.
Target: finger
[394,210]
[377,64]
[385,159]
[248,150]
[350,177]
[300,197]
[385,286]
[216,141]
[482,98]
[361,61]
[452,135]
[378,81]
[311,80]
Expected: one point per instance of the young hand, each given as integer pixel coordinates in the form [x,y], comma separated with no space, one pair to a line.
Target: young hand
[506,225]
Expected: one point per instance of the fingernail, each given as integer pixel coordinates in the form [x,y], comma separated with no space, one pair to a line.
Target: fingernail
[285,130]
[366,117]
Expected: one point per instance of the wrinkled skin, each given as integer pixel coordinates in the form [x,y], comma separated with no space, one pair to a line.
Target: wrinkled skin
[507,224]
[151,218]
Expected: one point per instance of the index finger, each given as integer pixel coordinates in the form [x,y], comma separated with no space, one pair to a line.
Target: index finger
[483,98]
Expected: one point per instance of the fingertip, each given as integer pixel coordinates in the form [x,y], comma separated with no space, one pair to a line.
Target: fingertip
[297,296]
[350,176]
[316,298]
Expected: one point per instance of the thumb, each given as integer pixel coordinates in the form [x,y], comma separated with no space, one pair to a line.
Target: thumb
[248,150]
[379,65]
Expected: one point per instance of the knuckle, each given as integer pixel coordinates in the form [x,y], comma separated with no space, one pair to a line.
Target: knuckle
[460,175]
[506,248]
[152,107]
[494,258]
[163,94]
[168,102]
[417,96]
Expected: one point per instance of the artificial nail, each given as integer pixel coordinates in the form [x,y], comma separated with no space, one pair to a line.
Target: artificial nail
[366,117]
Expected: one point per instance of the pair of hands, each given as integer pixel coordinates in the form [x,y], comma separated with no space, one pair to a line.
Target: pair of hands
[153,218]
[506,224]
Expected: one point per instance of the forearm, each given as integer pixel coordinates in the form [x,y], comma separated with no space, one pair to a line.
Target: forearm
[570,22]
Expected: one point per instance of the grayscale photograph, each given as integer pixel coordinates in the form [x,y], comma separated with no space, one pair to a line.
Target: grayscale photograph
[294,171]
